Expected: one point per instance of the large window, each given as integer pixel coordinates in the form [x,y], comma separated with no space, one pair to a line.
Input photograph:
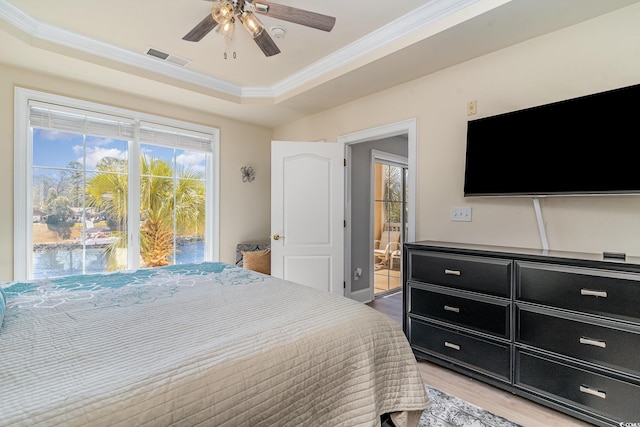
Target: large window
[102,189]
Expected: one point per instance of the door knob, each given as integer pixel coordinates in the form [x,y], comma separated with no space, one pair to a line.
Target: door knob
[277,237]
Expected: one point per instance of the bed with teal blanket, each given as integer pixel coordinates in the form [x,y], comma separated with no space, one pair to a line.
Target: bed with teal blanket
[198,344]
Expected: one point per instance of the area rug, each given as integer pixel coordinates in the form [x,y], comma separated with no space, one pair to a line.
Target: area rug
[450,411]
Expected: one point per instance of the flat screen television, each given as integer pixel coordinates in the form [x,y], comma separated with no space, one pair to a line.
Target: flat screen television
[582,146]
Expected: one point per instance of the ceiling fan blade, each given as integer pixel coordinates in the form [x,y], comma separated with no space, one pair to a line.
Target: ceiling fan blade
[266,43]
[201,30]
[295,15]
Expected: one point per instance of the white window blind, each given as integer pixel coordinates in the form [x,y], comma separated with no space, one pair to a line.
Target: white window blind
[56,117]
[168,136]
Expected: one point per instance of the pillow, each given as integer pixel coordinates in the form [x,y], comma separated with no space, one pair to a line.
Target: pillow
[3,304]
[259,261]
[250,247]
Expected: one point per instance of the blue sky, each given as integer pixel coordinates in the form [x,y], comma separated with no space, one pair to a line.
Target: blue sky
[56,149]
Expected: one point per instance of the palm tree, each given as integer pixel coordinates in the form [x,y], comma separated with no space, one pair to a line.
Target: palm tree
[169,200]
[107,191]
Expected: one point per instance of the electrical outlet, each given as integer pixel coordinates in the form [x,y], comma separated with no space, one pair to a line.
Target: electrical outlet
[472,107]
[461,214]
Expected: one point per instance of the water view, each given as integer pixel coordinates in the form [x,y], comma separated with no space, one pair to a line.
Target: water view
[66,260]
[81,189]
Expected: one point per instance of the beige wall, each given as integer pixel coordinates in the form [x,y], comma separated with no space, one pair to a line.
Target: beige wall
[245,207]
[594,56]
[597,55]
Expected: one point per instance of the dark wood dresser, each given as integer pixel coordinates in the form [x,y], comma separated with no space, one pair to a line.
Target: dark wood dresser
[559,328]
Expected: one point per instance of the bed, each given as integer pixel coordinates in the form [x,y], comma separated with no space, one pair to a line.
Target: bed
[199,344]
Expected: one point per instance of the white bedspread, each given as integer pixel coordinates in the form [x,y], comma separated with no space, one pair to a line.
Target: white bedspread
[201,344]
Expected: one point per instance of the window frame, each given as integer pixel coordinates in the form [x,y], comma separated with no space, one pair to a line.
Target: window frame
[23,176]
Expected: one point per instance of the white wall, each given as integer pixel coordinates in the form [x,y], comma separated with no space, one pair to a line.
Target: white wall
[245,207]
[594,56]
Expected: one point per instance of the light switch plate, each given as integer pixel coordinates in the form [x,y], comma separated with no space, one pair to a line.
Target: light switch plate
[461,214]
[472,107]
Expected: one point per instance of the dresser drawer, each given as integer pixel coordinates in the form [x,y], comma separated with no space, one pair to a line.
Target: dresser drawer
[608,397]
[614,348]
[488,317]
[483,355]
[601,292]
[487,275]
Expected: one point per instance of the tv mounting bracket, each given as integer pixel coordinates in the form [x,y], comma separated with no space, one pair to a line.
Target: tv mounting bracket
[541,228]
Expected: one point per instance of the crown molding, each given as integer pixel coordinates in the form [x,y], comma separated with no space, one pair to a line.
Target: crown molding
[52,34]
[418,20]
[421,22]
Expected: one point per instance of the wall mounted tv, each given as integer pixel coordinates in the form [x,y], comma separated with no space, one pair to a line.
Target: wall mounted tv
[586,145]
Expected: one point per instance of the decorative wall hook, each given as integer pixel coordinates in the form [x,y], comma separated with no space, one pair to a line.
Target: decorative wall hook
[248,174]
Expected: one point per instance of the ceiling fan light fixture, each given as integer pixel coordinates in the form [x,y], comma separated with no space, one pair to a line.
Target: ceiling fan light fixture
[222,11]
[224,14]
[252,24]
[226,30]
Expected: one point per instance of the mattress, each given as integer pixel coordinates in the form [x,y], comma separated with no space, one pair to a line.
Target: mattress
[199,344]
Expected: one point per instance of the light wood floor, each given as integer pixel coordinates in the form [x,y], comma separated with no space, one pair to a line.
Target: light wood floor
[493,399]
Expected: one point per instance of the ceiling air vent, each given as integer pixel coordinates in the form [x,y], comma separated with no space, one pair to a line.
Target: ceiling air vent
[167,57]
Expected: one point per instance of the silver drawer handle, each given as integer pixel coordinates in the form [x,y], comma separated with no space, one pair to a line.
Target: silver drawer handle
[590,293]
[452,272]
[597,393]
[595,343]
[451,345]
[453,309]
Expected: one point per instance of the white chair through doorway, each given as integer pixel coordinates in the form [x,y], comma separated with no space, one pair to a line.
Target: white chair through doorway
[388,244]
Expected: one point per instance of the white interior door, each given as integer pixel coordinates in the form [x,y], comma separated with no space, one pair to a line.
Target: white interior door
[307,214]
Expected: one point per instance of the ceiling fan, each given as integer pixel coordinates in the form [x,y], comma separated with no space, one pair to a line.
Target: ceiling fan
[224,14]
